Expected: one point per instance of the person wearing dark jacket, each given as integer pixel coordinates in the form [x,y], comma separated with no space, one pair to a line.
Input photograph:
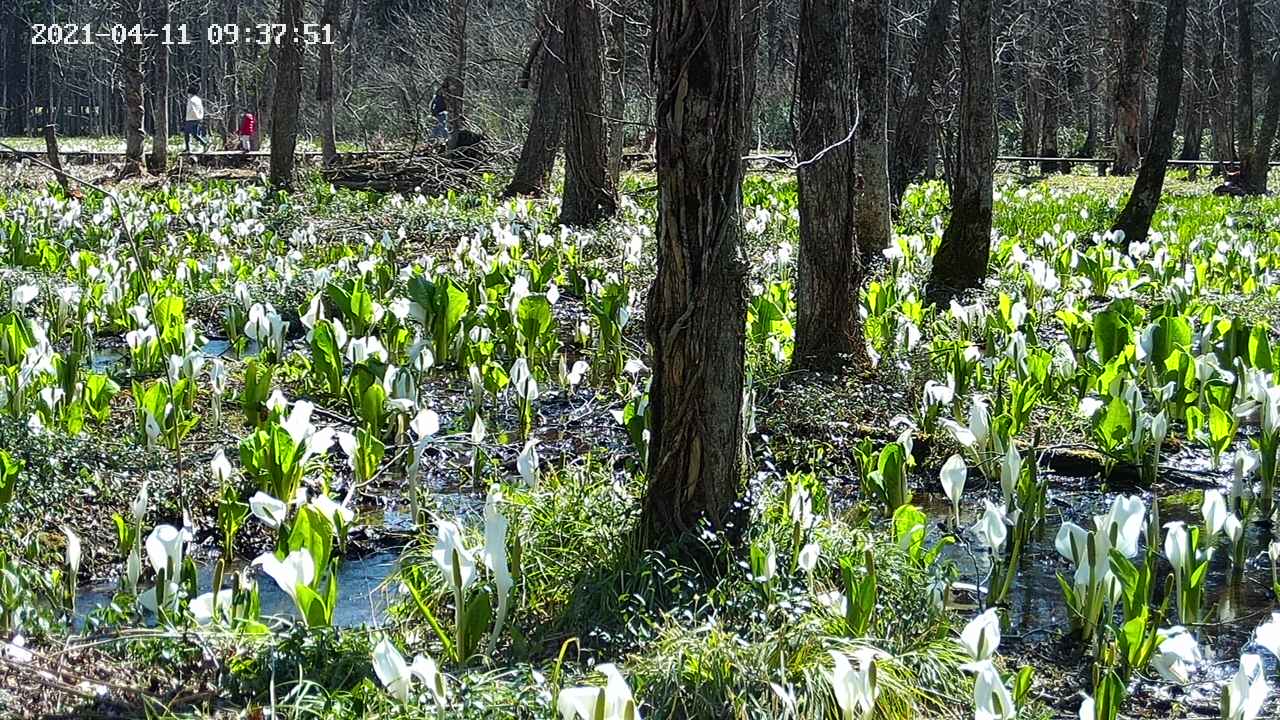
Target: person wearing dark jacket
[440,109]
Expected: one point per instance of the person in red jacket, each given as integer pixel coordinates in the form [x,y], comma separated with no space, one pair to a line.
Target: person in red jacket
[248,125]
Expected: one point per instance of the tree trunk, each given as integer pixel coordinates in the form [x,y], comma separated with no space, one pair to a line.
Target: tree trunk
[131,61]
[17,68]
[266,97]
[773,32]
[1132,22]
[961,261]
[546,117]
[1244,86]
[704,61]
[588,194]
[829,266]
[287,96]
[326,91]
[872,217]
[1257,163]
[1135,219]
[1090,147]
[160,94]
[1049,124]
[913,127]
[55,159]
[456,82]
[1193,112]
[617,67]
[232,92]
[1032,108]
[1221,125]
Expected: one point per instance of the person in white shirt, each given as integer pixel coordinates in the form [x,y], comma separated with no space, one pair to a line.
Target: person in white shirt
[194,118]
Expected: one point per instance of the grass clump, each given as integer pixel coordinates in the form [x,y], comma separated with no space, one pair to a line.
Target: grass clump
[699,631]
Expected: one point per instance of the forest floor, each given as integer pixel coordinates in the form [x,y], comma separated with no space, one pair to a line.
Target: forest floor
[445,302]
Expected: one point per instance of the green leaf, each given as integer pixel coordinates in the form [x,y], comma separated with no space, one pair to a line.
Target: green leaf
[1170,332]
[1260,348]
[475,622]
[312,532]
[414,581]
[326,357]
[1115,427]
[1022,684]
[312,607]
[10,467]
[1111,334]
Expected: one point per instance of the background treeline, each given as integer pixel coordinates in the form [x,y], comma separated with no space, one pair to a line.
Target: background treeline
[1073,77]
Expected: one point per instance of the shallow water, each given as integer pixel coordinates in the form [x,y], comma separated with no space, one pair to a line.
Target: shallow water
[107,360]
[1036,611]
[361,598]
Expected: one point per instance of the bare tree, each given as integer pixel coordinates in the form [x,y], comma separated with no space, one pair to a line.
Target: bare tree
[1222,97]
[872,216]
[913,128]
[287,96]
[231,88]
[829,264]
[325,90]
[704,67]
[1193,111]
[588,194]
[961,260]
[131,61]
[546,116]
[456,82]
[1130,26]
[1050,124]
[1258,162]
[160,12]
[617,71]
[1244,86]
[1135,218]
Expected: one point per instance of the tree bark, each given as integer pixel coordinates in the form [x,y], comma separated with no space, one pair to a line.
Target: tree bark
[131,61]
[1131,24]
[961,261]
[913,127]
[456,82]
[1257,164]
[1221,124]
[546,116]
[326,91]
[160,94]
[1135,218]
[588,194]
[266,97]
[704,61]
[617,67]
[235,103]
[872,216]
[1049,124]
[17,68]
[1090,147]
[1194,110]
[829,265]
[1244,86]
[55,159]
[286,97]
[1032,108]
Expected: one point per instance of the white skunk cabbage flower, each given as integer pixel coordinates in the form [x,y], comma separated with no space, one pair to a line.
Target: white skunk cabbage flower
[611,702]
